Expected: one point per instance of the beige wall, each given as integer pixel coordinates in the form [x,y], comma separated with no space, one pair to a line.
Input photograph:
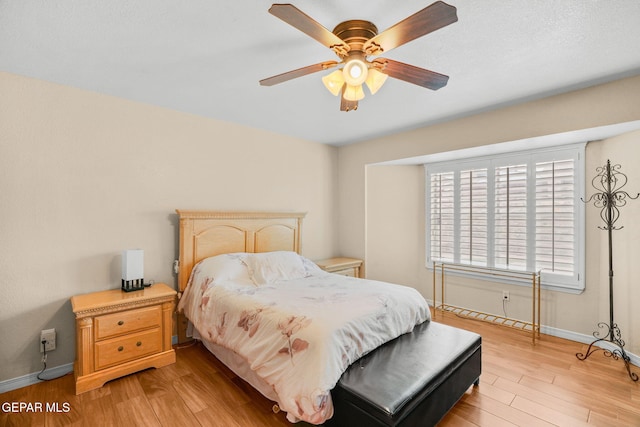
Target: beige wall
[395,220]
[374,200]
[84,176]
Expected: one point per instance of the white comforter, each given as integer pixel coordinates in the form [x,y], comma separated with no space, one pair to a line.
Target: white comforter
[298,334]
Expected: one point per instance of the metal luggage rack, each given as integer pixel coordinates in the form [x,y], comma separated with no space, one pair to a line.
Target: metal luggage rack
[534,276]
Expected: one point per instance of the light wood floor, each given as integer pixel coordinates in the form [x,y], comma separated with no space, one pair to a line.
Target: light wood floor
[521,385]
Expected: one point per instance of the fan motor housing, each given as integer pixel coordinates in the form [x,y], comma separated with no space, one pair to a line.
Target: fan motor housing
[355,33]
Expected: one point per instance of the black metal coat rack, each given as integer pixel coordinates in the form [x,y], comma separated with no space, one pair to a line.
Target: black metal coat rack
[610,197]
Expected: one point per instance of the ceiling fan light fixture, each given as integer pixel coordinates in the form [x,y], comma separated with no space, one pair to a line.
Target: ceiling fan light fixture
[355,40]
[353,93]
[355,72]
[334,82]
[375,80]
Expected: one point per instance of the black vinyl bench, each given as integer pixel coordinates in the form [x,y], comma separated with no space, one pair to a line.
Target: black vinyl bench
[413,380]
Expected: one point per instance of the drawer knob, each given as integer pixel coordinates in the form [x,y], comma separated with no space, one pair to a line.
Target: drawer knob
[120,348]
[121,322]
[139,343]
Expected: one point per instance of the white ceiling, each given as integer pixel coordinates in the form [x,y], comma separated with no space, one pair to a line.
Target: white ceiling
[206,57]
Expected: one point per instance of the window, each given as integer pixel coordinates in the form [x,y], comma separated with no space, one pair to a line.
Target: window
[519,211]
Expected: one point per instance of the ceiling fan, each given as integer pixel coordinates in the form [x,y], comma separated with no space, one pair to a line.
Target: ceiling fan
[354,41]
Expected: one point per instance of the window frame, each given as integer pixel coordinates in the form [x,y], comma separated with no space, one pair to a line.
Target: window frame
[574,283]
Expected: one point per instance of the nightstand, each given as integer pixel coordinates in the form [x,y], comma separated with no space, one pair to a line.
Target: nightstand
[345,266]
[119,333]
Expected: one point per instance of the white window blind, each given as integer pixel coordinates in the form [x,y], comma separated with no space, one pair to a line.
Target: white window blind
[441,214]
[555,211]
[510,229]
[519,211]
[473,216]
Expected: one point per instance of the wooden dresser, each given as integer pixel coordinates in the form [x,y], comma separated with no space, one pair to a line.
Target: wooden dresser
[341,265]
[119,333]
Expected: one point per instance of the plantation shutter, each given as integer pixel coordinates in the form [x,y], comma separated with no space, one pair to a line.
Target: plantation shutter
[555,213]
[473,217]
[510,209]
[442,216]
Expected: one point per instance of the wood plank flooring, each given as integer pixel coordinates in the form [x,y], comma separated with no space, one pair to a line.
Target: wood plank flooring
[521,385]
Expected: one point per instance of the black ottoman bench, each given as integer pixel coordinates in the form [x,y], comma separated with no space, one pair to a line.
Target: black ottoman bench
[413,380]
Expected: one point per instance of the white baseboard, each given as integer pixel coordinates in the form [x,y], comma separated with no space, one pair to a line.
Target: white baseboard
[55,372]
[32,378]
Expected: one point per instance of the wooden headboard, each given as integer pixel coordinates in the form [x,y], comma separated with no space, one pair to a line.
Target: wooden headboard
[208,233]
[205,234]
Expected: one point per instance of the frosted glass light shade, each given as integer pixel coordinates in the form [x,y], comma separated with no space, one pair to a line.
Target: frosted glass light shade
[355,72]
[353,93]
[334,82]
[375,80]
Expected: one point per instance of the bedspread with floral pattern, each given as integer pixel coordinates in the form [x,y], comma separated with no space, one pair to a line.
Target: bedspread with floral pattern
[300,335]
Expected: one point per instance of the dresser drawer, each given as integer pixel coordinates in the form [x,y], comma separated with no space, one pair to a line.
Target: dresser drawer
[351,272]
[123,349]
[124,322]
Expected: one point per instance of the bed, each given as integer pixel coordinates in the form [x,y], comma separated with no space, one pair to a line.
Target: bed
[292,330]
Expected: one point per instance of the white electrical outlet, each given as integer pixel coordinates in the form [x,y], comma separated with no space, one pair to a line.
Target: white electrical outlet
[49,336]
[505,296]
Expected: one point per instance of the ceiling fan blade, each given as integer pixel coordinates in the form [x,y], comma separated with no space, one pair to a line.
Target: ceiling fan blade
[303,22]
[280,78]
[412,74]
[429,19]
[345,104]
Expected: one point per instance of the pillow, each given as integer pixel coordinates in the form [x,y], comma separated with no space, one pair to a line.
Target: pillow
[269,267]
[224,268]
